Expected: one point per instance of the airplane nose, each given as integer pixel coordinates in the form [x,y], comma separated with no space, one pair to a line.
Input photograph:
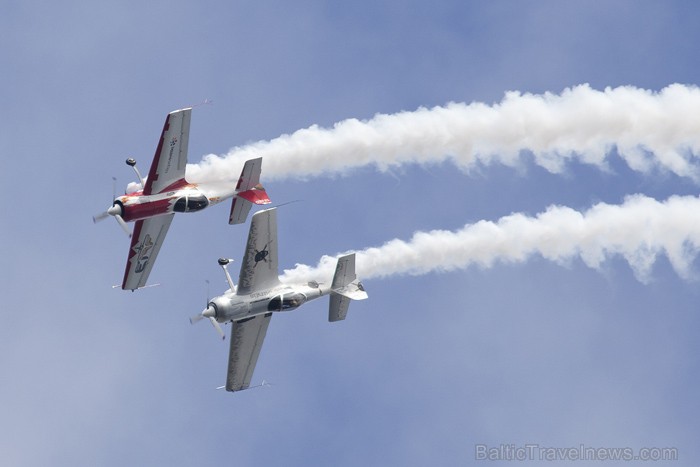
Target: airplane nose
[210,312]
[115,210]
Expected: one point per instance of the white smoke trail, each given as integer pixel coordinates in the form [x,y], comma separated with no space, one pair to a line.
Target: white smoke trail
[650,130]
[639,230]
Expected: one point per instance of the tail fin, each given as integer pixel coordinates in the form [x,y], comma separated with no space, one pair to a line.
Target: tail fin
[345,287]
[249,191]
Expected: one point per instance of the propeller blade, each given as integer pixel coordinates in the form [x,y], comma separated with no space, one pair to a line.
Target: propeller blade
[217,327]
[113,209]
[196,318]
[100,217]
[210,313]
[123,225]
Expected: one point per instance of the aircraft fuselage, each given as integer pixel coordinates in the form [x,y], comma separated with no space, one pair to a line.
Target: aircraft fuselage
[178,197]
[233,307]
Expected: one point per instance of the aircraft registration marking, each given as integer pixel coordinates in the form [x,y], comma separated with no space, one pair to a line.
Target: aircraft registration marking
[265,293]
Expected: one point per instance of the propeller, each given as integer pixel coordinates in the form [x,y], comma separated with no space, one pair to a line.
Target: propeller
[122,223]
[100,217]
[115,210]
[209,312]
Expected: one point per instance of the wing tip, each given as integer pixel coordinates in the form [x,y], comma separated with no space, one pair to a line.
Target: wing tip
[185,109]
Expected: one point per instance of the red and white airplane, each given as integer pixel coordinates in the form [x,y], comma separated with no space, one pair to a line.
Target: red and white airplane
[166,191]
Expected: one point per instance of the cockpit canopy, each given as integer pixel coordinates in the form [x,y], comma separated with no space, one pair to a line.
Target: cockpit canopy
[286,302]
[191,203]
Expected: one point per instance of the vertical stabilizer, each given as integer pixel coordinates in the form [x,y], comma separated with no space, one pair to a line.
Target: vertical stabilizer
[345,287]
[249,191]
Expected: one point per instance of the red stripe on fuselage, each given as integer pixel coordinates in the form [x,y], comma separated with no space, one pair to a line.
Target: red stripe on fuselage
[133,212]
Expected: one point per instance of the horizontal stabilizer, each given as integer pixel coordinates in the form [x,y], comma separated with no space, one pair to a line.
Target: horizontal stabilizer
[354,291]
[338,308]
[243,201]
[256,195]
[239,210]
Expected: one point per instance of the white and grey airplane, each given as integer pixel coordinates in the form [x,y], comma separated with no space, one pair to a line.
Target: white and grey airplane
[250,305]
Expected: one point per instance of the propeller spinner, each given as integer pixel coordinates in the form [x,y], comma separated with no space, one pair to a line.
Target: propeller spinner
[209,312]
[115,211]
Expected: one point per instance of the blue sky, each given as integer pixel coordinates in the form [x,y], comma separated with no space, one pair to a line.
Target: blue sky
[429,366]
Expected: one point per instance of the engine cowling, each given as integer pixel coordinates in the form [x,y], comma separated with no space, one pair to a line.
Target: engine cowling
[227,309]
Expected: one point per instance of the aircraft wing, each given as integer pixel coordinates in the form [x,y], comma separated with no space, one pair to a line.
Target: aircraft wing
[169,162]
[259,266]
[146,241]
[247,337]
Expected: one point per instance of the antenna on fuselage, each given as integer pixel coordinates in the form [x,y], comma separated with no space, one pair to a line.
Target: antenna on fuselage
[223,262]
[131,162]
